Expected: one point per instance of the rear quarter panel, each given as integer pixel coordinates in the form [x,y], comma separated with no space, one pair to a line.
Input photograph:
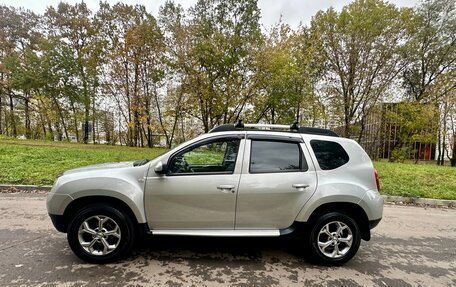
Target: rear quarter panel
[347,183]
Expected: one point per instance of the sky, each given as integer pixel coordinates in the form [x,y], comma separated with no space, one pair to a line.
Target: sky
[293,12]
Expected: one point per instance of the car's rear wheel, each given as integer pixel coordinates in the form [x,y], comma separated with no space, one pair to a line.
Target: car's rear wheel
[101,233]
[334,239]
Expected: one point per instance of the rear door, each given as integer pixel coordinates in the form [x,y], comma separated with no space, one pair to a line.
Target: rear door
[278,178]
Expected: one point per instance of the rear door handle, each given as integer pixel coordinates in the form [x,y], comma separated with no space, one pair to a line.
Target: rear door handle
[300,186]
[226,188]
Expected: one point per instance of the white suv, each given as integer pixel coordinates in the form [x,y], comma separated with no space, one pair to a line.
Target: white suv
[236,180]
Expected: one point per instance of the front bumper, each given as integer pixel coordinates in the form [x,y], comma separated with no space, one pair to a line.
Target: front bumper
[56,203]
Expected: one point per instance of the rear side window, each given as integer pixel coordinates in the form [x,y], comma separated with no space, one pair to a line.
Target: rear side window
[276,156]
[330,155]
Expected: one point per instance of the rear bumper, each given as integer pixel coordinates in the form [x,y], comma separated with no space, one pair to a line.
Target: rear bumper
[372,203]
[58,222]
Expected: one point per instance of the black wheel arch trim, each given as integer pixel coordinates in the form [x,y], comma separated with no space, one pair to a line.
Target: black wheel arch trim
[75,205]
[352,209]
[59,222]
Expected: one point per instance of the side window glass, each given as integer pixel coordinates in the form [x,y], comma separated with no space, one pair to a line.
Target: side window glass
[276,156]
[330,155]
[217,156]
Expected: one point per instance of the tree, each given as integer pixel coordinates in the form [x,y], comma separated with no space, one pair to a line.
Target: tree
[431,51]
[176,38]
[224,35]
[135,50]
[73,26]
[287,68]
[360,46]
[18,38]
[447,121]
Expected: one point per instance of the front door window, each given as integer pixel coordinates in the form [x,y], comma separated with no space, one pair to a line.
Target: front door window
[218,156]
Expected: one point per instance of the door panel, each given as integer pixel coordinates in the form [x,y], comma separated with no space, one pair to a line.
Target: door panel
[273,199]
[191,201]
[200,197]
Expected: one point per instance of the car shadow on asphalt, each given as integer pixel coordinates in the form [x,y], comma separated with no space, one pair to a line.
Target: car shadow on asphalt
[252,248]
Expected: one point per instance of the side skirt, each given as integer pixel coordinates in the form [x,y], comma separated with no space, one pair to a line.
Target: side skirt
[219,232]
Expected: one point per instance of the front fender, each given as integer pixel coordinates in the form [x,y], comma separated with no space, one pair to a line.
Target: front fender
[128,190]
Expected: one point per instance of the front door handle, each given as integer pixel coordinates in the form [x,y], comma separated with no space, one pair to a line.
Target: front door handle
[226,188]
[300,186]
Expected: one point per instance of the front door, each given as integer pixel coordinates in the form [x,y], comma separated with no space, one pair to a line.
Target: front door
[277,180]
[200,187]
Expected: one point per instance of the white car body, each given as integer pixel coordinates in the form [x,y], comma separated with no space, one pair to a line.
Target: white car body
[238,203]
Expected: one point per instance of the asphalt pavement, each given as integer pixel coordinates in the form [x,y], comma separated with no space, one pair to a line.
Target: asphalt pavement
[412,246]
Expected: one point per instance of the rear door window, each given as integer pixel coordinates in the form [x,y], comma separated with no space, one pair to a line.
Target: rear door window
[276,156]
[330,155]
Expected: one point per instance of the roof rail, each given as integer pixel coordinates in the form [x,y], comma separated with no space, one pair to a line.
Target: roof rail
[240,126]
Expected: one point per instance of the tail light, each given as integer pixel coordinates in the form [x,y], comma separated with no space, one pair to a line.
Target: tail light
[377,181]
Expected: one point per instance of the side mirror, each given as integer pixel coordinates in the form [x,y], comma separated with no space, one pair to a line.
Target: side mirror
[160,168]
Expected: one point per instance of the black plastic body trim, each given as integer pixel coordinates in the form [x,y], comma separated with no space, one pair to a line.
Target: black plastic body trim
[58,222]
[374,223]
[288,230]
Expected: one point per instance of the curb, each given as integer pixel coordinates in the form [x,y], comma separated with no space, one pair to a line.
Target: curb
[25,188]
[419,201]
[388,198]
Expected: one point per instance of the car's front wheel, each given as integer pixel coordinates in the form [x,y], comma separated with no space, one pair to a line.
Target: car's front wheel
[334,238]
[101,233]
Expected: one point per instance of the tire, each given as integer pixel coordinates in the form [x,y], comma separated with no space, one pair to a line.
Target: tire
[336,246]
[110,243]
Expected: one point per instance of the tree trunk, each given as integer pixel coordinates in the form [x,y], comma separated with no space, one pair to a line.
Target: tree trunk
[1,108]
[148,123]
[93,119]
[453,157]
[160,116]
[182,130]
[86,124]
[363,127]
[444,132]
[49,124]
[1,104]
[137,132]
[62,118]
[13,119]
[176,117]
[129,133]
[28,132]
[43,124]
[75,121]
[346,127]
[297,113]
[273,116]
[439,147]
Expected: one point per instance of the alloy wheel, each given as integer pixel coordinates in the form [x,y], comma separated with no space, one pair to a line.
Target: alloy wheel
[99,235]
